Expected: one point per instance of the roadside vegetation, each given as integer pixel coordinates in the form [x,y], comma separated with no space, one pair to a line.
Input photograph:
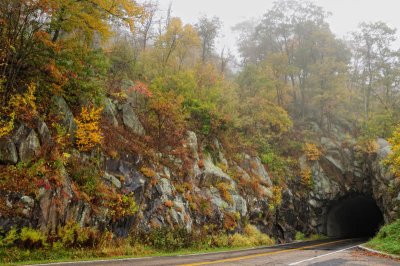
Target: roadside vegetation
[73,242]
[302,237]
[293,70]
[388,239]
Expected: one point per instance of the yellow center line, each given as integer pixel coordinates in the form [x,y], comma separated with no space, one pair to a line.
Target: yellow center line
[261,254]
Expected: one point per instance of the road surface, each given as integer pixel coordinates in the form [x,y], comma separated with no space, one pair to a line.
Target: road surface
[316,253]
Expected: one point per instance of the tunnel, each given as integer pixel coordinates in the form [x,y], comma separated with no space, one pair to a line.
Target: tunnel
[354,216]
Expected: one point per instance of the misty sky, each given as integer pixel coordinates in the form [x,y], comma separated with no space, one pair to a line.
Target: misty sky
[346,14]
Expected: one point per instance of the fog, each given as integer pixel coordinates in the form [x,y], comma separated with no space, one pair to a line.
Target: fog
[345,17]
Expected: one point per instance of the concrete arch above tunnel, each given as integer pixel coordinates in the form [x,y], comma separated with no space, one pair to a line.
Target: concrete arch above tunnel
[354,216]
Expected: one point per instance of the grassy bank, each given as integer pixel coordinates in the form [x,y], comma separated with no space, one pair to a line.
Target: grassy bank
[388,239]
[30,246]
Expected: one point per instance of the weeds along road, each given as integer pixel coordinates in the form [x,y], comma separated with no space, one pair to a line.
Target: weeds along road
[317,253]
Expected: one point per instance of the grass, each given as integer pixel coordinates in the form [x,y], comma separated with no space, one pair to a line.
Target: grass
[160,243]
[388,239]
[302,237]
[51,256]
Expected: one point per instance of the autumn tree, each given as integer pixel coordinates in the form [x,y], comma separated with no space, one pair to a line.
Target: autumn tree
[376,66]
[39,37]
[209,29]
[177,41]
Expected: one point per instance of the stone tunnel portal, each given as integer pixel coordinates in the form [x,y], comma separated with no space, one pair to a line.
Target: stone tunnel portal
[354,216]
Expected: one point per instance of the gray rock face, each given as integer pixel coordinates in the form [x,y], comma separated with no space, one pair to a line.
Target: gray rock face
[63,109]
[111,112]
[44,132]
[8,152]
[29,148]
[165,188]
[112,179]
[212,174]
[191,141]
[131,120]
[383,148]
[240,205]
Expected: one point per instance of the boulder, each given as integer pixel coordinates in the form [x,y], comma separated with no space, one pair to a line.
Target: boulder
[384,148]
[329,144]
[112,179]
[131,121]
[240,205]
[111,112]
[165,188]
[29,147]
[191,142]
[8,152]
[212,175]
[44,132]
[254,165]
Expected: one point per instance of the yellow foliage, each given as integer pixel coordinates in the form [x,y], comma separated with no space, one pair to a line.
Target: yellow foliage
[276,197]
[22,106]
[94,16]
[394,157]
[88,133]
[252,237]
[312,152]
[306,176]
[7,126]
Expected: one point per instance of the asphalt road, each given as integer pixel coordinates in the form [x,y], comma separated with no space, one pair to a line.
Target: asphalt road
[316,253]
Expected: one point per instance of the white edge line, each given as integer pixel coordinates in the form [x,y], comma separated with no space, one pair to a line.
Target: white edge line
[320,256]
[379,252]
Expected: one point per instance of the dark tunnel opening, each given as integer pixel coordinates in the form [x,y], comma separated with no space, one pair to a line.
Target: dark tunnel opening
[354,216]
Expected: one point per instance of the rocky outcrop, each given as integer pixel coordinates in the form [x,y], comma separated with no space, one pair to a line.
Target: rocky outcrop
[131,120]
[29,147]
[67,118]
[8,152]
[213,188]
[111,112]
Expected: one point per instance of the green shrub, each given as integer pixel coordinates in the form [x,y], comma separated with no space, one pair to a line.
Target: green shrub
[300,236]
[168,239]
[387,239]
[10,238]
[31,238]
[72,235]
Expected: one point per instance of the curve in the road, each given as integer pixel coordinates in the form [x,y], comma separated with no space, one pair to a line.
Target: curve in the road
[263,254]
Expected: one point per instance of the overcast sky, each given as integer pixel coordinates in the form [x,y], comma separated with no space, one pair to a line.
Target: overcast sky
[346,14]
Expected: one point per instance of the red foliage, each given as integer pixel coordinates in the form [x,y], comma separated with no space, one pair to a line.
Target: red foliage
[141,88]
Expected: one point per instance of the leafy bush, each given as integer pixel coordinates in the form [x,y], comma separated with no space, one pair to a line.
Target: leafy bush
[27,238]
[251,237]
[88,133]
[72,235]
[168,239]
[387,239]
[300,236]
[312,152]
[224,191]
[31,238]
[306,177]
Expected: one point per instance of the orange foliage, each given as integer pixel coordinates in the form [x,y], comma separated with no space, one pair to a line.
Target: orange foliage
[229,221]
[224,191]
[168,203]
[312,152]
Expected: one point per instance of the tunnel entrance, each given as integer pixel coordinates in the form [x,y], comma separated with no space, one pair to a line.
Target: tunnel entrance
[354,216]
